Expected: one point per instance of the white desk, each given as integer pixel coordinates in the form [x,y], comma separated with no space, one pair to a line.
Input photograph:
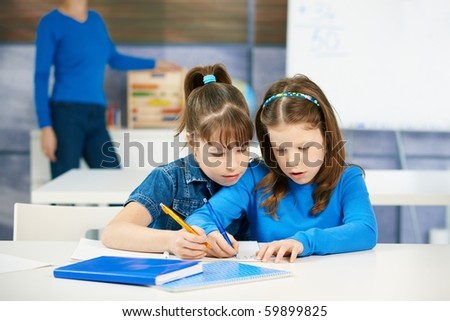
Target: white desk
[388,272]
[413,188]
[135,147]
[90,186]
[409,187]
[386,187]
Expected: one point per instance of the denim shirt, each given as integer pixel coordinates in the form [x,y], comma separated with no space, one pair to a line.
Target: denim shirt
[182,186]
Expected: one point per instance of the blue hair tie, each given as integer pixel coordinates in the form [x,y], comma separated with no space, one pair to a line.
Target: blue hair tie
[208,79]
[291,94]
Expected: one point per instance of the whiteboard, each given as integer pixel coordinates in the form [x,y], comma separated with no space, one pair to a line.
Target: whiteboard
[383,64]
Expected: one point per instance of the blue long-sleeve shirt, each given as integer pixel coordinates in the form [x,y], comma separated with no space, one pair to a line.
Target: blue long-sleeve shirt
[79,52]
[346,224]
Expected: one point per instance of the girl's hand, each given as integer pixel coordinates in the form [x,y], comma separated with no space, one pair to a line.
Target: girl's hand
[289,247]
[220,247]
[165,65]
[188,246]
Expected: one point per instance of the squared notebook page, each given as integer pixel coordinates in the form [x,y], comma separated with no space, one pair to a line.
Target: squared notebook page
[220,273]
[88,249]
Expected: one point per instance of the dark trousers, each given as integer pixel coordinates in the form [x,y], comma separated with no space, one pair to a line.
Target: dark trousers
[81,133]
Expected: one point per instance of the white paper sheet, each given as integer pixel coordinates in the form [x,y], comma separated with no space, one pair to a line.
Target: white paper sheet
[247,251]
[88,249]
[11,263]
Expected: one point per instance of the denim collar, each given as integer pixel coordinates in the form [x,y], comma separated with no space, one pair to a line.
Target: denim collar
[193,173]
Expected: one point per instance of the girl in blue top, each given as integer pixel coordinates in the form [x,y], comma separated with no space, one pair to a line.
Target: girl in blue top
[305,198]
[75,41]
[218,130]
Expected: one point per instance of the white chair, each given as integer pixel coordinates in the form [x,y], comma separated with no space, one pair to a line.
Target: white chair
[36,222]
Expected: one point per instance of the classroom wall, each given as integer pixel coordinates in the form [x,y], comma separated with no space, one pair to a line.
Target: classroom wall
[259,66]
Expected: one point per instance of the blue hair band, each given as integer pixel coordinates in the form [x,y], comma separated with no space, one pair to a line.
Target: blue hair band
[291,94]
[208,79]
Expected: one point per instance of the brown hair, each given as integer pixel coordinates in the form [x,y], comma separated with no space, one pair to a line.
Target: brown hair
[294,110]
[216,108]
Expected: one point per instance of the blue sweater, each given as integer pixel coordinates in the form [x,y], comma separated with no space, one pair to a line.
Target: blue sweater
[79,53]
[346,224]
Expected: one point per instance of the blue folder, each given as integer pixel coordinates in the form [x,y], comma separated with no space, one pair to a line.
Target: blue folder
[128,270]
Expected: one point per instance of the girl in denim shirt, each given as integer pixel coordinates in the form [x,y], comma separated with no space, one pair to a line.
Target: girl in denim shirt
[218,129]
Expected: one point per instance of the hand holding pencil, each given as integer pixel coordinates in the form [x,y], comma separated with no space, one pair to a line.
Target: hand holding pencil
[180,221]
[221,251]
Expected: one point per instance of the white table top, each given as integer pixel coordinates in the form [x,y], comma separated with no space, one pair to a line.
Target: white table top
[108,186]
[409,187]
[388,272]
[90,186]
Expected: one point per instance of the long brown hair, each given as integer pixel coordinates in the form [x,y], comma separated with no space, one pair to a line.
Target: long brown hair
[293,110]
[215,109]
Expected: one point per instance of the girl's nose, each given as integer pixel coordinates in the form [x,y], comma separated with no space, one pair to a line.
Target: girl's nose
[292,159]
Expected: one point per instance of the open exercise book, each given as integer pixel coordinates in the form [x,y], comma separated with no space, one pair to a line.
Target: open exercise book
[216,272]
[219,273]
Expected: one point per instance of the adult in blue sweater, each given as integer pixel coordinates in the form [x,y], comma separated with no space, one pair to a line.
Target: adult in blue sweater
[75,41]
[304,199]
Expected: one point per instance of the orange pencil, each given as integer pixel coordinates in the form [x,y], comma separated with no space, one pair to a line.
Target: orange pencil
[179,220]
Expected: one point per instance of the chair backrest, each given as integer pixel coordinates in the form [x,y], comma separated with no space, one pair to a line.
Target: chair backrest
[36,222]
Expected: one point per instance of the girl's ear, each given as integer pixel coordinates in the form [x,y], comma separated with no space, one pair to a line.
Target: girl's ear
[190,140]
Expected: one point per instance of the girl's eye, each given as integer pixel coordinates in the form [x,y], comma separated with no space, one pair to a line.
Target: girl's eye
[216,154]
[242,149]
